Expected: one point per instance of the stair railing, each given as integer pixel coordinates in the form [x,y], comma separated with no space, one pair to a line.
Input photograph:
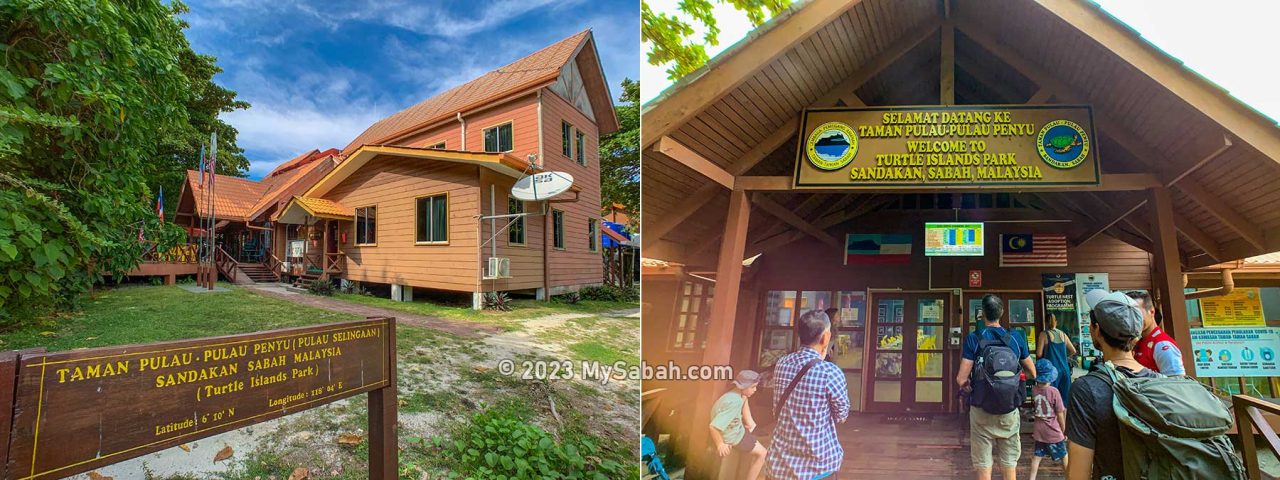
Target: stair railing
[1249,413]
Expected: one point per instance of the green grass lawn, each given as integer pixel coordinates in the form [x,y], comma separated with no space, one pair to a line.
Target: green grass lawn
[523,309]
[145,314]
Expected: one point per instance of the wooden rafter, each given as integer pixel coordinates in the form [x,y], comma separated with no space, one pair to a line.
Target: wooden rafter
[677,151]
[1210,99]
[947,76]
[842,92]
[701,89]
[773,208]
[1109,183]
[1121,134]
[660,226]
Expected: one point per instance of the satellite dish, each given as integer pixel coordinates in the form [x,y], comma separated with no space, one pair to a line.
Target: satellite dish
[541,186]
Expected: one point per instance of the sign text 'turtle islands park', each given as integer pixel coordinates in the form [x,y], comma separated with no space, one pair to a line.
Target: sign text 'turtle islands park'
[913,147]
[82,409]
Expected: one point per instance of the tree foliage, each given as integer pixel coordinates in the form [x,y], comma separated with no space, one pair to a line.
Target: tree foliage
[669,35]
[100,102]
[620,155]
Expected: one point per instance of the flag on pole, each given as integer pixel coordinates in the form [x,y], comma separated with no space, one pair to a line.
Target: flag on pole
[140,239]
[201,162]
[213,156]
[1033,250]
[160,204]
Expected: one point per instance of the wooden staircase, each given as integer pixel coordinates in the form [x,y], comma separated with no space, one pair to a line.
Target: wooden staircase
[258,272]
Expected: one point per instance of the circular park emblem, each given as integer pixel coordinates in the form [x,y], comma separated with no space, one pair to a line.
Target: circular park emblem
[832,145]
[1062,144]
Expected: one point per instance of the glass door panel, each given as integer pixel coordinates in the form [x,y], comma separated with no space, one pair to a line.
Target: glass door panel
[847,351]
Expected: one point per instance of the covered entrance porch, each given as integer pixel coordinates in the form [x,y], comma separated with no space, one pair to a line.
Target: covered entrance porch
[315,231]
[1183,182]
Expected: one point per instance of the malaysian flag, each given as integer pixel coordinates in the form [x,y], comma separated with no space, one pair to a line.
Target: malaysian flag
[1033,250]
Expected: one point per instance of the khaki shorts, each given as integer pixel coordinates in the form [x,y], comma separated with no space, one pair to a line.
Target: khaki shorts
[999,432]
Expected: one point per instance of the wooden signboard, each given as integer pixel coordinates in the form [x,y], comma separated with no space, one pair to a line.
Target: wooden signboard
[960,146]
[78,410]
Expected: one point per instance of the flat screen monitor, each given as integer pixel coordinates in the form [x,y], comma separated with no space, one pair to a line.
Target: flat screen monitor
[953,239]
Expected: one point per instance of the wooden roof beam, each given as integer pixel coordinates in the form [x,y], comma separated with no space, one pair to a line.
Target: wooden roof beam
[679,152]
[1109,182]
[947,76]
[842,92]
[1131,142]
[773,208]
[1232,219]
[722,75]
[1198,92]
[659,227]
[1115,218]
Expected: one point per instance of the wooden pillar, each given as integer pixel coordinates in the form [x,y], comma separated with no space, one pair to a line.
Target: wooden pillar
[947,93]
[720,327]
[384,451]
[1169,274]
[324,251]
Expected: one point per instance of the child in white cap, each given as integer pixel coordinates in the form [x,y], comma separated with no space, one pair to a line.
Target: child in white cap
[732,424]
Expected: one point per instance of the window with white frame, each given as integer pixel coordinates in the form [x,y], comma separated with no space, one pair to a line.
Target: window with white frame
[367,225]
[498,139]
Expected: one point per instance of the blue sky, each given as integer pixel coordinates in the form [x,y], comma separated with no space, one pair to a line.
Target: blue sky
[1225,43]
[318,73]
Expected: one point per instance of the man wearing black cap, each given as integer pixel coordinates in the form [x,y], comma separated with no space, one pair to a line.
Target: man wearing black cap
[1093,432]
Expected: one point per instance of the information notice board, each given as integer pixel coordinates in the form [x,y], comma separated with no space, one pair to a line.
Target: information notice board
[1236,351]
[81,409]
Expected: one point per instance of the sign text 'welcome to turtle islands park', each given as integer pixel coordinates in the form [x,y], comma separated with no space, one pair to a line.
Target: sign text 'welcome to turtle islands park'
[913,147]
[78,410]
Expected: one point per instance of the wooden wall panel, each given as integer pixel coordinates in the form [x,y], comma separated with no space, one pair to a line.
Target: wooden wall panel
[575,265]
[393,184]
[820,267]
[526,260]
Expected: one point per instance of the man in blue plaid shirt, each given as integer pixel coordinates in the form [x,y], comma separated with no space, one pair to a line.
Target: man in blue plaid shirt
[804,445]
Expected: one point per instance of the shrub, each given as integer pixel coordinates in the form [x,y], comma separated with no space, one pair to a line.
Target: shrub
[501,443]
[320,287]
[608,293]
[571,298]
[499,301]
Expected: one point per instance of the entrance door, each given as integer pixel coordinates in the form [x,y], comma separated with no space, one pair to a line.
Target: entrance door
[1023,313]
[907,363]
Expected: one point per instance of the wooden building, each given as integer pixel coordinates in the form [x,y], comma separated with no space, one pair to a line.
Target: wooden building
[736,249]
[410,201]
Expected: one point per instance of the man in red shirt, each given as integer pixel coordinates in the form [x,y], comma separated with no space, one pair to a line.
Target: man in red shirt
[1156,350]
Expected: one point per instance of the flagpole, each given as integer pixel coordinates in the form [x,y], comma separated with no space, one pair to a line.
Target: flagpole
[213,219]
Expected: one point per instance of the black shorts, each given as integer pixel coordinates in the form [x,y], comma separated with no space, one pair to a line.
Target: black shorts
[747,444]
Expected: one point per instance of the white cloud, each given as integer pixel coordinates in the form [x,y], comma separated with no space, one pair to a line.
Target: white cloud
[286,131]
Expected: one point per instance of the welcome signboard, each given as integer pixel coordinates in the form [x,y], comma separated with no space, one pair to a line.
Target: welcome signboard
[970,145]
[78,410]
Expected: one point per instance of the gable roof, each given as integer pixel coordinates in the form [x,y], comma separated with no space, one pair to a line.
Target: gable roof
[536,70]
[500,162]
[233,199]
[1219,157]
[243,200]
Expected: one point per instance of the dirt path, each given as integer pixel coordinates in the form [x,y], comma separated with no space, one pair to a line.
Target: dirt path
[465,329]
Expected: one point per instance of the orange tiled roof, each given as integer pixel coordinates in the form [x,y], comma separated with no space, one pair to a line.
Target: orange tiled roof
[320,206]
[542,66]
[234,197]
[281,179]
[291,164]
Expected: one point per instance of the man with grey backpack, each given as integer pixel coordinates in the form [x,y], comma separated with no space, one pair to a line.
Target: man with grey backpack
[1126,422]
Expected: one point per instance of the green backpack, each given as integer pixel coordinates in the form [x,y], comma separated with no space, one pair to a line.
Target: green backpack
[1171,428]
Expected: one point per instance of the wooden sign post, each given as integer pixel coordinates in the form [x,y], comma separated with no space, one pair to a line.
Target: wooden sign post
[76,411]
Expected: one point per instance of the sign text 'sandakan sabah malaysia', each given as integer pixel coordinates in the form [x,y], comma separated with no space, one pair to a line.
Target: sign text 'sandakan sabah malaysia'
[85,408]
[912,147]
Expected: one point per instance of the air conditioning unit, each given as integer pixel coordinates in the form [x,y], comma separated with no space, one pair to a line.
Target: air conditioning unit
[498,268]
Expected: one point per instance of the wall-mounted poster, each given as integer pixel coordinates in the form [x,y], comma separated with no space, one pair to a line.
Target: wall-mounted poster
[1087,282]
[1060,302]
[1236,351]
[296,247]
[1240,308]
